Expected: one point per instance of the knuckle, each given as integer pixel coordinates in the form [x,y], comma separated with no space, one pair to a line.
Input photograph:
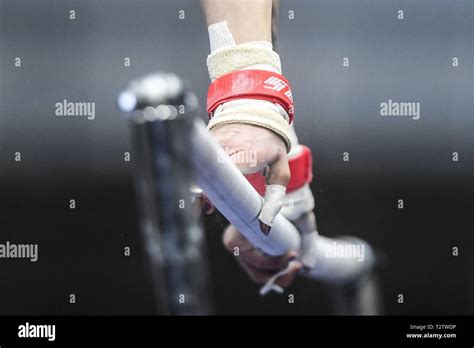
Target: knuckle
[285,174]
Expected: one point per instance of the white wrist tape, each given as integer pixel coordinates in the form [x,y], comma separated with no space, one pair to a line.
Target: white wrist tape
[297,203]
[295,144]
[237,57]
[226,57]
[273,201]
[270,284]
[253,114]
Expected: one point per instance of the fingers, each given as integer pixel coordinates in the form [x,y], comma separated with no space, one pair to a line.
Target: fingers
[272,204]
[261,261]
[256,275]
[207,206]
[238,141]
[233,239]
[259,267]
[260,276]
[277,179]
[279,170]
[251,148]
[288,278]
[245,159]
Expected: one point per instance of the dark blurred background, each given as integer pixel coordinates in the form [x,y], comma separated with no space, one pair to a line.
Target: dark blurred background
[81,251]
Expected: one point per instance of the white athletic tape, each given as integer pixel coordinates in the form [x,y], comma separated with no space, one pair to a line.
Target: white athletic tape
[295,144]
[308,254]
[273,201]
[232,58]
[297,202]
[220,36]
[226,56]
[271,285]
[253,115]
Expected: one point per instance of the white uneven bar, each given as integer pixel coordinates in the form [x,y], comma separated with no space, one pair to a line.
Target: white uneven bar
[237,200]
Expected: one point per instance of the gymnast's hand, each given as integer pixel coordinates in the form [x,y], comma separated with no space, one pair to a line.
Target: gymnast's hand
[256,149]
[253,149]
[259,267]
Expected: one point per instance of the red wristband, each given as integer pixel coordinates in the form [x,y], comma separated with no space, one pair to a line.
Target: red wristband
[301,168]
[250,84]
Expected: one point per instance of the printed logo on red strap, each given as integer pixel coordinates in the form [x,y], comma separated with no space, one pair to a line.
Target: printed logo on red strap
[251,84]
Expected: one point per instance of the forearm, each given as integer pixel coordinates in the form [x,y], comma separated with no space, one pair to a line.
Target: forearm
[249,100]
[248,20]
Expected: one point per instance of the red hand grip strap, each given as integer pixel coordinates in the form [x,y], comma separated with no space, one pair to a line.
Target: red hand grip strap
[250,84]
[301,168]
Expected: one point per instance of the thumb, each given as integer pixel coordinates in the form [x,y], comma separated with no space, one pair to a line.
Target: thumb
[278,177]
